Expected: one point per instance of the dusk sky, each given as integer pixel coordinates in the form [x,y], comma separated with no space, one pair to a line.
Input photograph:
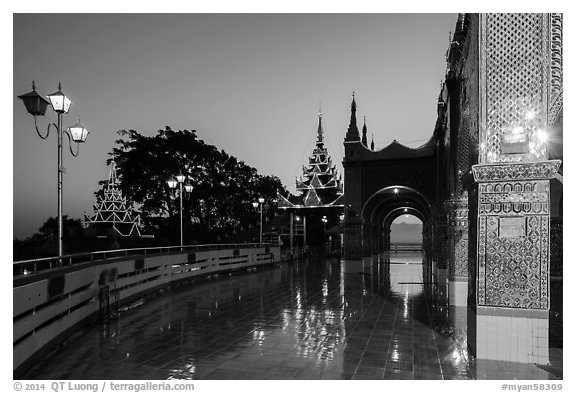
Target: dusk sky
[250,84]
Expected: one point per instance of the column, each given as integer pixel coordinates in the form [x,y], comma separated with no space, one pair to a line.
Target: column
[512,294]
[458,250]
[304,230]
[367,242]
[520,94]
[291,235]
[440,247]
[426,250]
[352,239]
[380,242]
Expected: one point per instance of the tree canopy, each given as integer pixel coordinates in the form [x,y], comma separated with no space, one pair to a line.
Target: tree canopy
[44,243]
[224,187]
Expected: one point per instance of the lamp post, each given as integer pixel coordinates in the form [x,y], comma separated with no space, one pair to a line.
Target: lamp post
[179,180]
[297,226]
[36,106]
[341,222]
[324,221]
[255,204]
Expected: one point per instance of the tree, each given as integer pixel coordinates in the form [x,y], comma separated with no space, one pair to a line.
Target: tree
[44,243]
[224,188]
[71,228]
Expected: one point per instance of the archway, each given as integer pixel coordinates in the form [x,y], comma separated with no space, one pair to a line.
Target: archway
[383,207]
[406,234]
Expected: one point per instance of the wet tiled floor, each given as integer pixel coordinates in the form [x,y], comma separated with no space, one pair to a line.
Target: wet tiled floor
[306,320]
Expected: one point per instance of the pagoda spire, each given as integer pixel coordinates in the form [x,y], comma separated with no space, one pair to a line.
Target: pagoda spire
[320,136]
[319,182]
[364,131]
[372,144]
[112,210]
[352,133]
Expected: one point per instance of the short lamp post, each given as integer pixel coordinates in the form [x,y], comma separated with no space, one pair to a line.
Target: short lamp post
[179,180]
[36,106]
[255,204]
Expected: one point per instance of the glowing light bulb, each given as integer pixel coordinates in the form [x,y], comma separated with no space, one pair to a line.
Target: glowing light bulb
[530,114]
[541,135]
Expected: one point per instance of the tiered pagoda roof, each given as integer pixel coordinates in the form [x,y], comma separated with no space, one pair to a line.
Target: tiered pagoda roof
[112,208]
[320,184]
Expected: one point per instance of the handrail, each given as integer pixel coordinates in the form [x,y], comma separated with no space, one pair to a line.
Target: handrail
[32,266]
[398,247]
[48,306]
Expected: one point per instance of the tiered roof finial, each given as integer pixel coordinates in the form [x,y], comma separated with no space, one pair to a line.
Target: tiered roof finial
[364,131]
[352,134]
[320,136]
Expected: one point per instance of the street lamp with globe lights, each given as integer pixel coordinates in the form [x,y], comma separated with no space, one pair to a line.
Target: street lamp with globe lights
[324,221]
[179,180]
[255,204]
[36,106]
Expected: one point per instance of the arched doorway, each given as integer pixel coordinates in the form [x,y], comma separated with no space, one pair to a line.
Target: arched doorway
[406,234]
[383,207]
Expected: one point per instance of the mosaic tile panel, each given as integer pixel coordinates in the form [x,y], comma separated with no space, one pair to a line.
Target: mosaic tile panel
[516,171]
[513,244]
[544,262]
[481,272]
[463,152]
[458,213]
[461,257]
[441,241]
[514,71]
[556,78]
[556,247]
[514,198]
[458,227]
[473,245]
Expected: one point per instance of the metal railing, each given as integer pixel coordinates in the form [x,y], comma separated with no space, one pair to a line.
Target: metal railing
[33,266]
[51,303]
[406,247]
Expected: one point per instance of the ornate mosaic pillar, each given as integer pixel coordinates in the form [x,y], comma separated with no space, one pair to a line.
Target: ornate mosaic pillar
[380,242]
[441,247]
[556,269]
[510,298]
[386,239]
[556,247]
[426,242]
[458,266]
[458,239]
[367,240]
[426,251]
[513,271]
[352,238]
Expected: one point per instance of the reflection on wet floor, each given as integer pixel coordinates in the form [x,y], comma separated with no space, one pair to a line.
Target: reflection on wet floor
[304,320]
